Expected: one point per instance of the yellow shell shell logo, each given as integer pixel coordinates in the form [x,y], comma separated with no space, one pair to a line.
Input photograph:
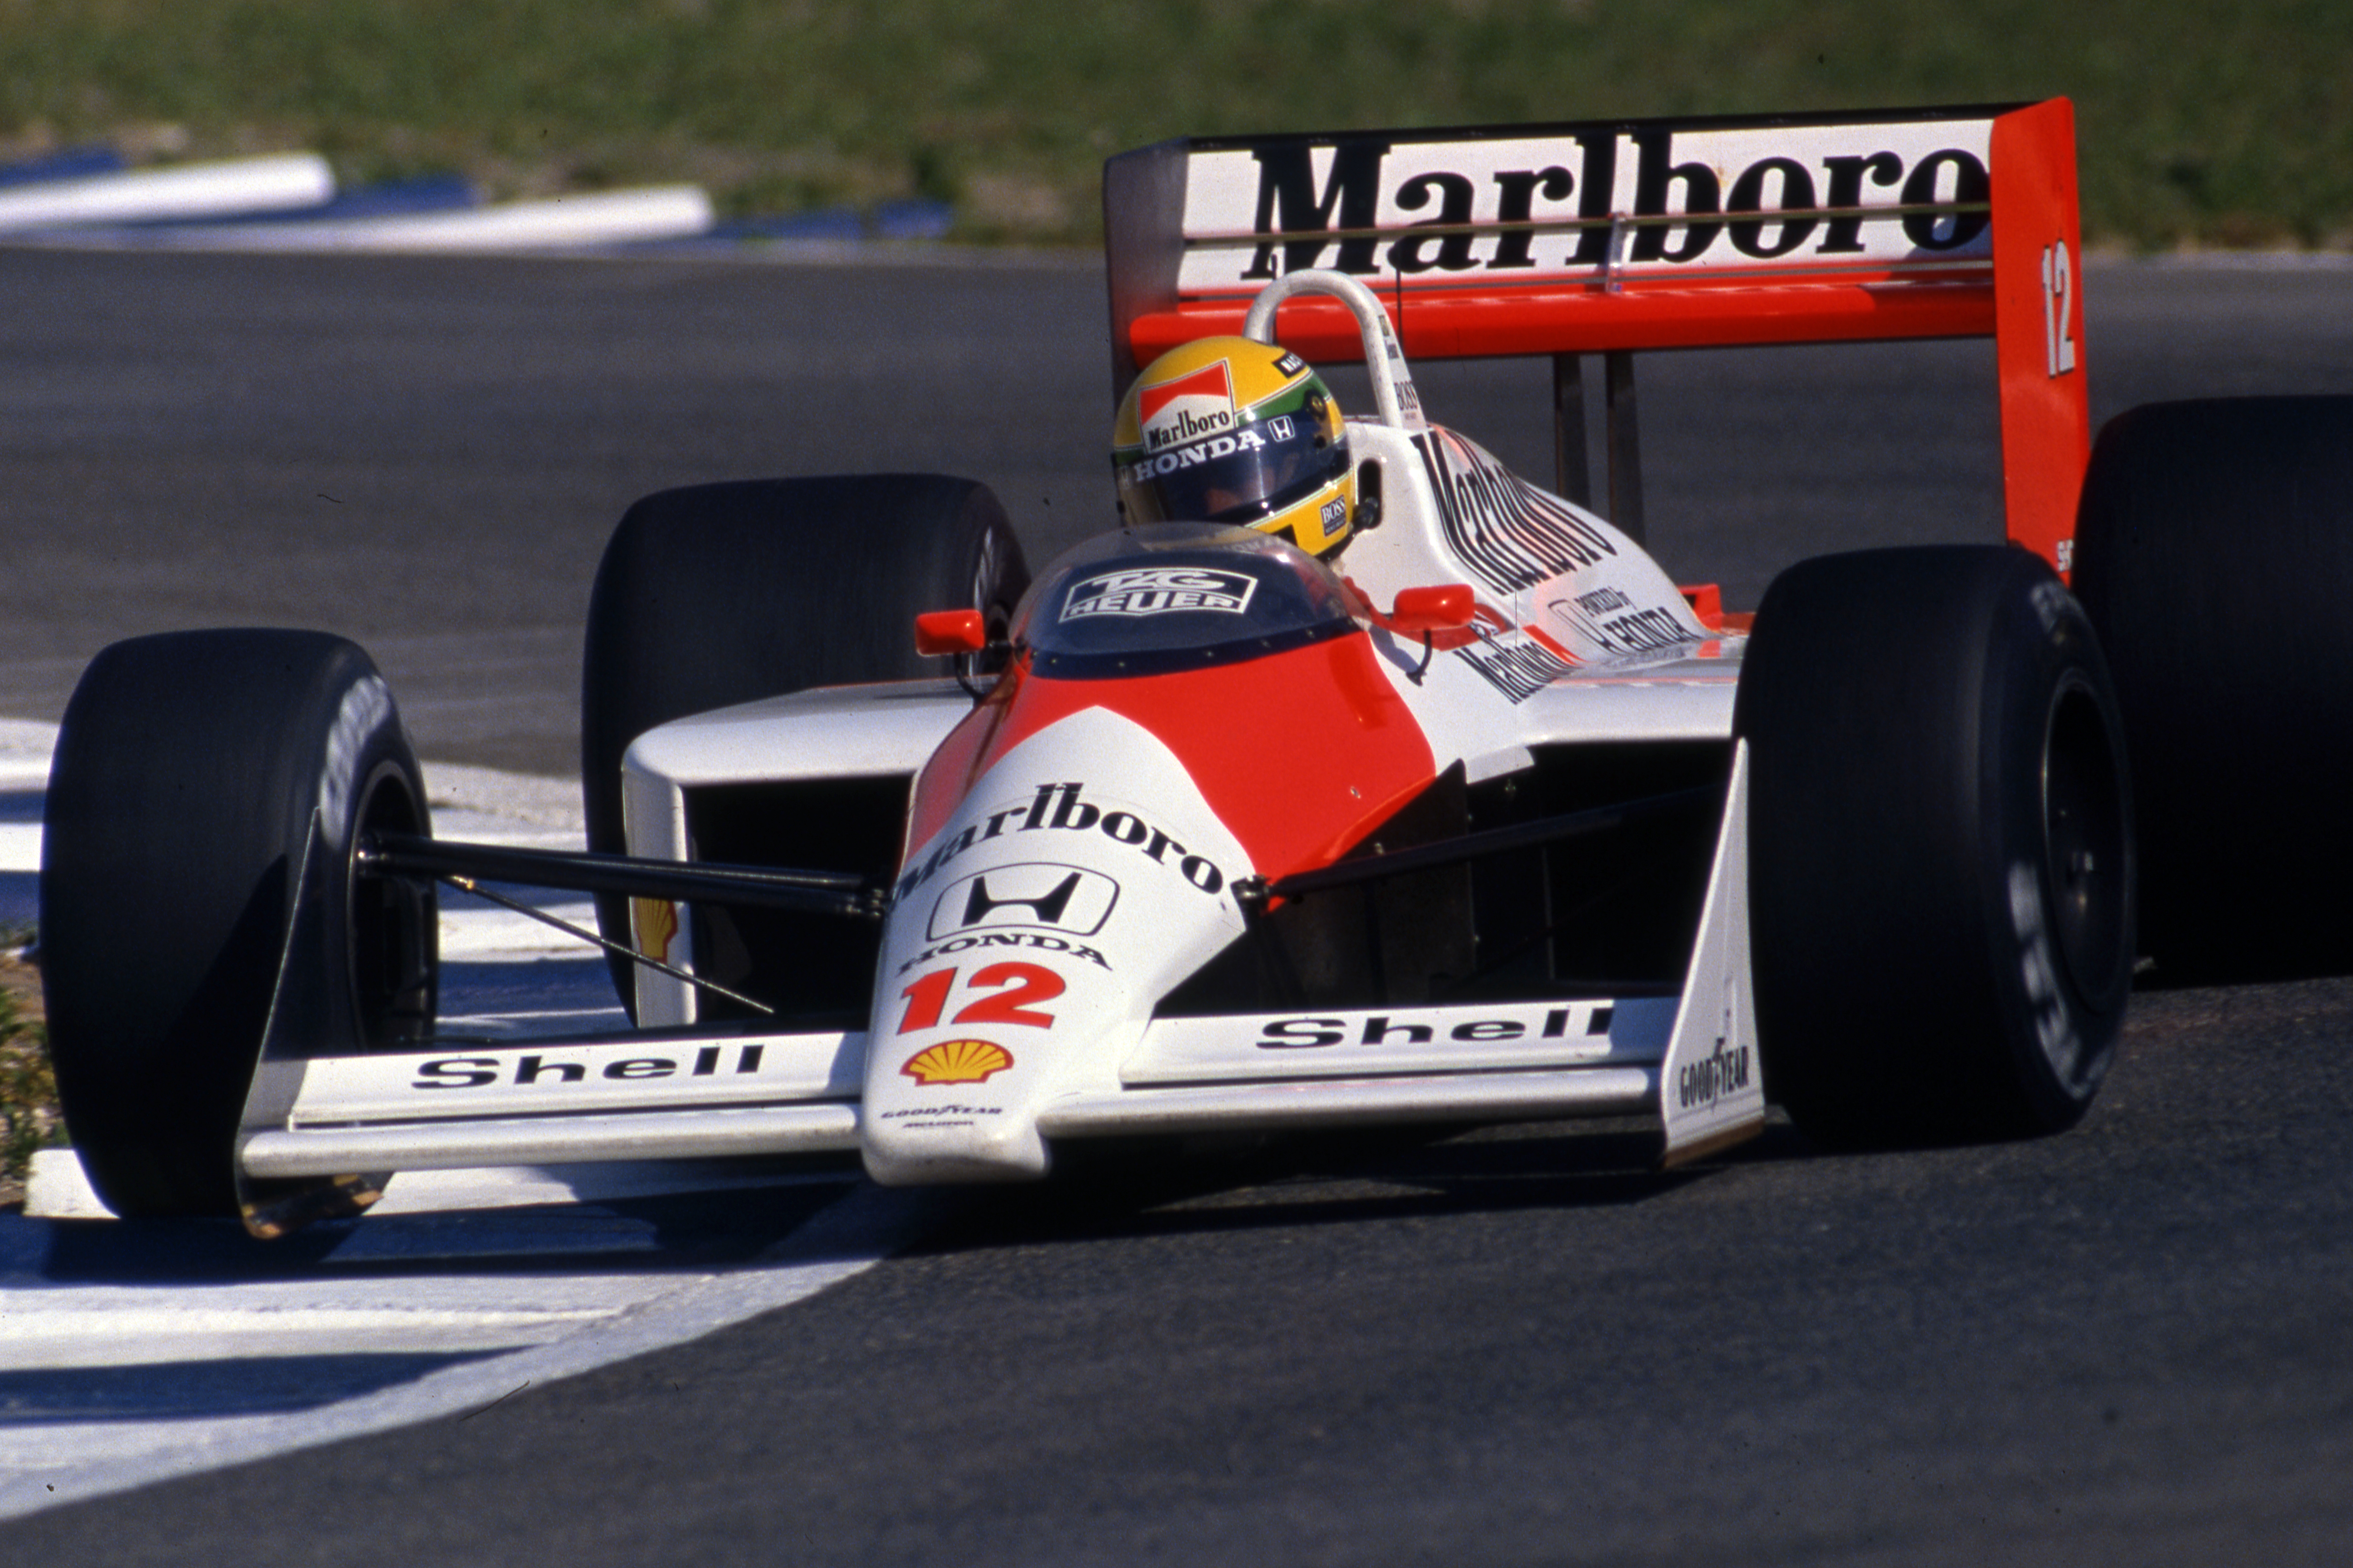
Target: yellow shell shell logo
[656,924]
[957,1061]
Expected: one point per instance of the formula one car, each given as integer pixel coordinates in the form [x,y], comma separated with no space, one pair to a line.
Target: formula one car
[1484,819]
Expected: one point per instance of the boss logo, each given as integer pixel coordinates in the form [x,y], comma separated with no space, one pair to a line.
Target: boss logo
[1035,893]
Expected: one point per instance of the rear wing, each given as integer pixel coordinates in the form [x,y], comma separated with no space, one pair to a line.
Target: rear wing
[1612,236]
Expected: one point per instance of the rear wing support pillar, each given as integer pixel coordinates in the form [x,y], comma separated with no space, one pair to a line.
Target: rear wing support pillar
[1621,441]
[1625,445]
[1572,477]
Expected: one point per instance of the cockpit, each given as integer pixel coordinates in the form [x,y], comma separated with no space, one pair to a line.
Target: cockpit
[1161,597]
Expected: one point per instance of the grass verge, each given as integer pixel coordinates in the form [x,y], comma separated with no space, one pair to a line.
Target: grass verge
[2200,121]
[28,1090]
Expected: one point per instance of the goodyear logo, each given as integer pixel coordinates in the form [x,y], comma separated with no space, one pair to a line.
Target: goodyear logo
[1701,1084]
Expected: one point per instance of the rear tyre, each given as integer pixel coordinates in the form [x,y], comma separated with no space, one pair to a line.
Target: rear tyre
[1940,848]
[2215,555]
[188,773]
[722,594]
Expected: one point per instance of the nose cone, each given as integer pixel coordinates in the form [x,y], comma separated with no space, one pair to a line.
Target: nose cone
[1081,877]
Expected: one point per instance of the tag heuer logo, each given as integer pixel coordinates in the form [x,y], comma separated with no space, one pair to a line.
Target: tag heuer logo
[1159,591]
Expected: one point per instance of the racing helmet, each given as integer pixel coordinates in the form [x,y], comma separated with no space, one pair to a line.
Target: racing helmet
[1234,430]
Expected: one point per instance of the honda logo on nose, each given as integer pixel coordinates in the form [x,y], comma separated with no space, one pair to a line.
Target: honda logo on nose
[1033,893]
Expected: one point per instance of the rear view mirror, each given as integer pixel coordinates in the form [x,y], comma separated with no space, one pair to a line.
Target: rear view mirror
[939,633]
[1445,608]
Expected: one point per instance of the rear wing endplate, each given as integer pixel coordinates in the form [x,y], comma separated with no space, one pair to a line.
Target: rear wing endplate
[1613,236]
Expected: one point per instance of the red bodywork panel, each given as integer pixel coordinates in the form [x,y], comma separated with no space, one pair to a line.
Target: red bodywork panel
[1301,754]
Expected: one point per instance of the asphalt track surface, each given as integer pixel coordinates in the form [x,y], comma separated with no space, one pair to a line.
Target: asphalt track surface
[2126,1344]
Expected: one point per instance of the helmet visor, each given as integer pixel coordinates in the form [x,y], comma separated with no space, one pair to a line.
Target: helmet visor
[1258,470]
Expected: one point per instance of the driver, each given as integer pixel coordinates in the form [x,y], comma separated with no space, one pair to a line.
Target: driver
[1234,430]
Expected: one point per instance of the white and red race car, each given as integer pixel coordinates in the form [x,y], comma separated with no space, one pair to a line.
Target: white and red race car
[1486,820]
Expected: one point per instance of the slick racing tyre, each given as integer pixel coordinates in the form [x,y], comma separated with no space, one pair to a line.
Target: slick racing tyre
[189,771]
[722,594]
[1940,848]
[2215,556]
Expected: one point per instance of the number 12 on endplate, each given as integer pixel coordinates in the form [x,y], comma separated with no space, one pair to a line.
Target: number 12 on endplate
[2058,309]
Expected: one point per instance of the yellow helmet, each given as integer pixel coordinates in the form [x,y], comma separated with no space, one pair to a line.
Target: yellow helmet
[1233,430]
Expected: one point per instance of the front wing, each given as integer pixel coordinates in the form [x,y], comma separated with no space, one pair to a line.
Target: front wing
[1690,1060]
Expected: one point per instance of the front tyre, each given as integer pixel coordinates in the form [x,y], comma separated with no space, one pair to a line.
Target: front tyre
[190,770]
[1941,874]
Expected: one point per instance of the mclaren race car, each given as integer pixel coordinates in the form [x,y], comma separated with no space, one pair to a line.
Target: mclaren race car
[1485,817]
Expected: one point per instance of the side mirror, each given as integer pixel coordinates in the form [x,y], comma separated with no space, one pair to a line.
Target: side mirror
[1420,611]
[940,633]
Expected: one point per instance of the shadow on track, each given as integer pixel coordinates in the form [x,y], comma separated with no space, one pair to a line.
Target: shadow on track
[1202,1185]
[675,1233]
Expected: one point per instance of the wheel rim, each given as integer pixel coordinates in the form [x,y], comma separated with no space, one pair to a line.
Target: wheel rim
[987,583]
[391,926]
[2084,840]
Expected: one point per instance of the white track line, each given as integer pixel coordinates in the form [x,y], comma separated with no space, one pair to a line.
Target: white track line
[46,1463]
[59,1189]
[475,805]
[198,1365]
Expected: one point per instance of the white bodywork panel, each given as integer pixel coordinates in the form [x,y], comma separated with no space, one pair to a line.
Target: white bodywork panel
[1040,1023]
[1545,669]
[1084,875]
[1711,1091]
[836,731]
[1581,638]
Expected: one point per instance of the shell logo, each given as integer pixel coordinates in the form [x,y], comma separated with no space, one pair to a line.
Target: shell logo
[957,1061]
[657,925]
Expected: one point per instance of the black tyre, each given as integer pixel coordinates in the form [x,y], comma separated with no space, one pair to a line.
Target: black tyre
[722,594]
[2215,555]
[188,773]
[1940,848]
